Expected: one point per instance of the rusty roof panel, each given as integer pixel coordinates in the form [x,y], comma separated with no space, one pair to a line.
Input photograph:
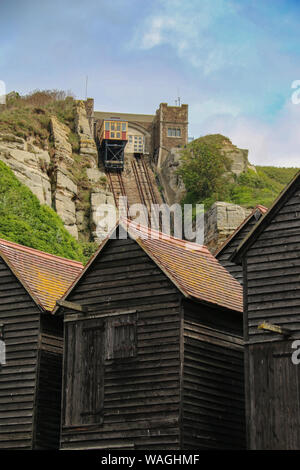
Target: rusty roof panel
[46,276]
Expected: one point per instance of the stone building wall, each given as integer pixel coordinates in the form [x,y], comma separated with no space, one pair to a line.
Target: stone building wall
[169,117]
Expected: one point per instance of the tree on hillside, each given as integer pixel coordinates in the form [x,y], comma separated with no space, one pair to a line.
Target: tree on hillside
[204,170]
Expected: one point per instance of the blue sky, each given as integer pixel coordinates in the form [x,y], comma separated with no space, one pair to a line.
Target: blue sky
[232,61]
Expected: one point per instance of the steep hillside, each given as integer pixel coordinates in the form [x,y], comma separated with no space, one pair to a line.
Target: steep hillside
[50,197]
[46,140]
[24,220]
[208,167]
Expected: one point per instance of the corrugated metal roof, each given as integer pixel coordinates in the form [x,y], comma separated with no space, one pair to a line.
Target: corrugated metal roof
[46,277]
[192,267]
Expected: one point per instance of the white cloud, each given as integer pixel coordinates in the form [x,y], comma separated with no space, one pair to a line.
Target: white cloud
[189,27]
[276,143]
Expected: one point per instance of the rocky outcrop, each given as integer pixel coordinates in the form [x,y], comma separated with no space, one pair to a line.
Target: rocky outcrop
[73,188]
[86,140]
[173,186]
[220,221]
[65,190]
[238,157]
[99,227]
[29,163]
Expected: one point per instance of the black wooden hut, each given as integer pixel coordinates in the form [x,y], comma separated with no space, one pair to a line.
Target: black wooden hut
[270,256]
[30,372]
[153,355]
[225,252]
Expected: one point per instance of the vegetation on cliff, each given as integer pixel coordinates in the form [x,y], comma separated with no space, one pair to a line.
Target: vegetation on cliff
[30,115]
[24,220]
[206,174]
[203,170]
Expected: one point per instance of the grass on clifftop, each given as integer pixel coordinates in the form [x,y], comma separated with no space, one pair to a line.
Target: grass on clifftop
[207,177]
[24,220]
[30,115]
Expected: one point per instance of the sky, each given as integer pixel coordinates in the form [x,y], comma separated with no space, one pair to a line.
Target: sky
[234,62]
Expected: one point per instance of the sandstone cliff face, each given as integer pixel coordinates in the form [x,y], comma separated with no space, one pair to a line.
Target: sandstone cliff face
[86,140]
[49,174]
[96,178]
[75,187]
[29,163]
[65,190]
[238,157]
[173,186]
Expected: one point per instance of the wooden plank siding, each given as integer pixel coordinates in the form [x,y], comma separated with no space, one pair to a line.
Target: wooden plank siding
[178,384]
[30,383]
[224,257]
[274,399]
[21,319]
[213,414]
[141,393]
[273,273]
[271,265]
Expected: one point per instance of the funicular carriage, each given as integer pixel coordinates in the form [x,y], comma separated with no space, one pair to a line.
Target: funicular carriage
[112,142]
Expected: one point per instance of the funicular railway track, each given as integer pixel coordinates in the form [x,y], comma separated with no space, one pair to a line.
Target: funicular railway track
[144,185]
[116,185]
[140,187]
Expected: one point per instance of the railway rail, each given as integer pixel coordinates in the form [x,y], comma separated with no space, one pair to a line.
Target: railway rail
[144,185]
[116,185]
[144,190]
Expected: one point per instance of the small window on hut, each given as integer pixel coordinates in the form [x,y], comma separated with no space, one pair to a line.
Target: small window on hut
[121,337]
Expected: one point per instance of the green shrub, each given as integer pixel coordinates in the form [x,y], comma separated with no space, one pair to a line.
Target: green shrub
[207,178]
[24,220]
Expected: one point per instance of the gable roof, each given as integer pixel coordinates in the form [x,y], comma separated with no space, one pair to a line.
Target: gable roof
[191,267]
[257,212]
[46,277]
[268,216]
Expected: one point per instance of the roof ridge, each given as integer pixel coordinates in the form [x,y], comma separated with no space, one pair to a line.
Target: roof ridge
[40,253]
[192,246]
[259,207]
[236,256]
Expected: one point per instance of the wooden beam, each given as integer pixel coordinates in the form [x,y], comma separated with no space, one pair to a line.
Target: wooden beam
[73,306]
[274,329]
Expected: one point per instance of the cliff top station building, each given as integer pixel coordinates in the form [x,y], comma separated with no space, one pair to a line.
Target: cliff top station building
[152,134]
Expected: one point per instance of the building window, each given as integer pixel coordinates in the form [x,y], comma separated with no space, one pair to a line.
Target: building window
[120,338]
[174,132]
[107,126]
